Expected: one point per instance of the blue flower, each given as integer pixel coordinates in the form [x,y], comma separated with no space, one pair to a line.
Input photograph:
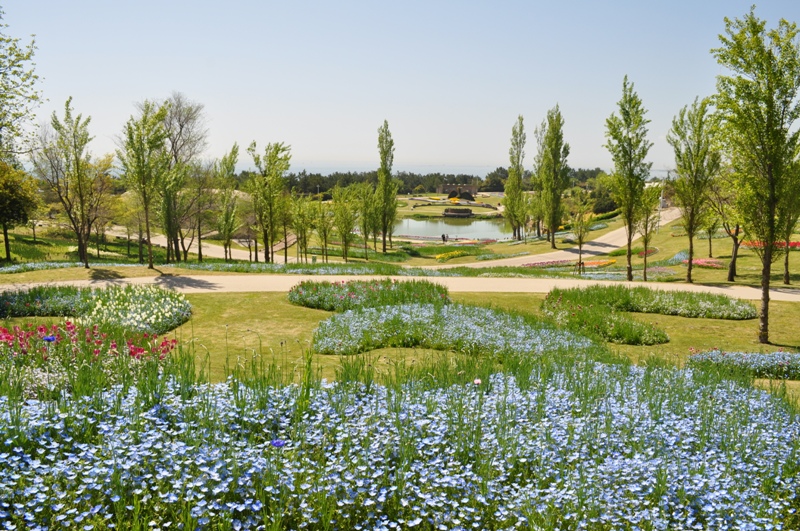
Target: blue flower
[278,443]
[49,339]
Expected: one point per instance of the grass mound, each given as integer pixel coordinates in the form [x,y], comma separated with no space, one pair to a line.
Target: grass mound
[341,296]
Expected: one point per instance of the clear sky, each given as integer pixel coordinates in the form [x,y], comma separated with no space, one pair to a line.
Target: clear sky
[450,77]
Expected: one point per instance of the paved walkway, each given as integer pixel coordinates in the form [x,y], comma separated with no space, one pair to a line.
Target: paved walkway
[282,283]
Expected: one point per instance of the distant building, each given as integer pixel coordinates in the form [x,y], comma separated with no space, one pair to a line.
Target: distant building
[447,188]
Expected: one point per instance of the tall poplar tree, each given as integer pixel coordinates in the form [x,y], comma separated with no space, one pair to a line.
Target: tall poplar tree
[551,170]
[697,162]
[513,198]
[627,142]
[386,193]
[758,102]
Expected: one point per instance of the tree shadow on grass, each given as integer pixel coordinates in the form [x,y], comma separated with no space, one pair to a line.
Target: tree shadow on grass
[106,275]
[168,280]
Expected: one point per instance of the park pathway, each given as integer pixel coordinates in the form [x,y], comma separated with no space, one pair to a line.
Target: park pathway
[281,283]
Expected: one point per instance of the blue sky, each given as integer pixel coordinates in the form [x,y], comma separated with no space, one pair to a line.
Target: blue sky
[450,77]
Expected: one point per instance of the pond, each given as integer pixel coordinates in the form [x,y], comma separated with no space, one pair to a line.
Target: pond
[469,228]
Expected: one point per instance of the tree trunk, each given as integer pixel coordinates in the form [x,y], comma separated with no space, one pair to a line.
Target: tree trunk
[199,241]
[629,266]
[644,269]
[710,254]
[149,242]
[266,247]
[285,245]
[786,264]
[763,317]
[83,250]
[383,235]
[255,247]
[33,228]
[689,264]
[7,244]
[141,250]
[734,255]
[177,242]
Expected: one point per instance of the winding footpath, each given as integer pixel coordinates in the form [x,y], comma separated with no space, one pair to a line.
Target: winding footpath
[615,239]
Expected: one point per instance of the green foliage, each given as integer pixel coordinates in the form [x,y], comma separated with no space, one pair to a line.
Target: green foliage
[144,161]
[267,187]
[18,94]
[19,198]
[345,216]
[386,192]
[627,142]
[581,221]
[697,162]
[759,107]
[513,198]
[224,171]
[550,168]
[83,187]
[647,219]
[341,296]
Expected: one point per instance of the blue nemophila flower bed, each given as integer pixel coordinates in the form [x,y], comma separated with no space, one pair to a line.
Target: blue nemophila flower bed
[780,365]
[456,327]
[579,446]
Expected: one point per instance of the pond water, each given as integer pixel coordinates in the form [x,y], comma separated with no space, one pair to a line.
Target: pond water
[470,228]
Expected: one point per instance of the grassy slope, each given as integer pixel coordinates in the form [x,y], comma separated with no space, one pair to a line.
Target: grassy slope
[228,328]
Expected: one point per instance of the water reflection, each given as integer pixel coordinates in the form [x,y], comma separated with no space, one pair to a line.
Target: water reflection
[494,229]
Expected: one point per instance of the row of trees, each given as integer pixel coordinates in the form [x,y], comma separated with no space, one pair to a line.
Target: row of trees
[737,153]
[159,163]
[737,156]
